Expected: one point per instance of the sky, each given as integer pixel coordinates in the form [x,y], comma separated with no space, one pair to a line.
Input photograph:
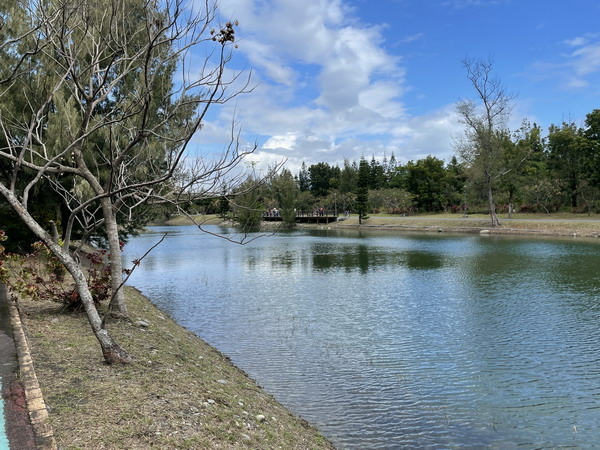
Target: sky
[336,79]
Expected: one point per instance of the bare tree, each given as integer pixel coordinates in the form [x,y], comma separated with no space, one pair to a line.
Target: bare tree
[486,127]
[115,98]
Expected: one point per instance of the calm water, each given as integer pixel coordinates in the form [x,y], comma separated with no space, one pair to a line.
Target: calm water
[399,341]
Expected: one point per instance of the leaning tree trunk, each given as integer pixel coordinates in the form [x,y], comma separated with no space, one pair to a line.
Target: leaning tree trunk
[117,305]
[492,206]
[112,352]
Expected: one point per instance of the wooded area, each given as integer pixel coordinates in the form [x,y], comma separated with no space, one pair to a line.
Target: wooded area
[99,101]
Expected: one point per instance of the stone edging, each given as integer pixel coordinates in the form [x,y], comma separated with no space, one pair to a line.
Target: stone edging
[38,413]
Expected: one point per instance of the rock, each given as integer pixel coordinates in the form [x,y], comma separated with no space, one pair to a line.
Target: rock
[260,418]
[222,381]
[210,401]
[142,323]
[245,437]
[485,232]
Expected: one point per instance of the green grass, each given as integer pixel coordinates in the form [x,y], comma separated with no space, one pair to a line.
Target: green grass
[558,225]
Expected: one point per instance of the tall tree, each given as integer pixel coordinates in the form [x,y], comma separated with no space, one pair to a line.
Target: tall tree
[566,146]
[322,178]
[285,192]
[486,127]
[362,189]
[376,174]
[304,178]
[523,154]
[348,177]
[455,183]
[426,182]
[103,110]
[592,151]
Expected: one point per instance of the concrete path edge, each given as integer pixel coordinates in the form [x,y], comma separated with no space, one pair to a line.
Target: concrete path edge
[38,413]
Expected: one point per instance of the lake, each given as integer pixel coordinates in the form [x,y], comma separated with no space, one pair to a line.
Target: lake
[398,340]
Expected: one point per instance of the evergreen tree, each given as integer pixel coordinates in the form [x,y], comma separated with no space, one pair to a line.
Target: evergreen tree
[376,174]
[348,177]
[322,178]
[362,190]
[426,182]
[285,193]
[566,145]
[303,178]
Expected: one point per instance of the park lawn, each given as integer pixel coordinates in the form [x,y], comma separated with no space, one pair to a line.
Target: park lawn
[526,224]
[556,224]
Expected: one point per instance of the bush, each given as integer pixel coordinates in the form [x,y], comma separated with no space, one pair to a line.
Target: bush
[41,276]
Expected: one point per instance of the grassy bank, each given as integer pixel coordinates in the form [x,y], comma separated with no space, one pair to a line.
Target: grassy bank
[203,219]
[178,393]
[525,224]
[560,224]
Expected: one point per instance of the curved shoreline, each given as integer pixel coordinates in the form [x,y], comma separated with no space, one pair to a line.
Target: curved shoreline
[546,227]
[179,392]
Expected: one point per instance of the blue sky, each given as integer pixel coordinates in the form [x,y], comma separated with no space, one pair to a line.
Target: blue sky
[339,79]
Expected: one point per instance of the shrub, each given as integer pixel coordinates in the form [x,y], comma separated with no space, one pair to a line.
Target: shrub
[41,276]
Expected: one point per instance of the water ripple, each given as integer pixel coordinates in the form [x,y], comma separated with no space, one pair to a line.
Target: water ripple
[400,342]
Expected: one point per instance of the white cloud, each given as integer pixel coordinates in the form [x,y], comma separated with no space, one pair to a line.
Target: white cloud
[580,41]
[412,38]
[461,4]
[586,60]
[577,69]
[430,134]
[327,89]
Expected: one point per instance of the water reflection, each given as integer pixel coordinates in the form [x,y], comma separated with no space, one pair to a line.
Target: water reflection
[358,257]
[388,341]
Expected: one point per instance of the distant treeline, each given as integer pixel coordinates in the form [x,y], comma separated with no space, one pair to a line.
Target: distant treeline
[558,172]
[542,174]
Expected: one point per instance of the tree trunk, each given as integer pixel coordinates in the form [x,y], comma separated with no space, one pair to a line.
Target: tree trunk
[117,304]
[112,352]
[492,206]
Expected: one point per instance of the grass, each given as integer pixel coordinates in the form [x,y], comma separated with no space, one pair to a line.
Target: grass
[203,219]
[556,224]
[538,224]
[178,393]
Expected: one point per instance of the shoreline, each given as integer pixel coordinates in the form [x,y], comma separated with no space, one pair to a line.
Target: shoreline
[542,227]
[179,392]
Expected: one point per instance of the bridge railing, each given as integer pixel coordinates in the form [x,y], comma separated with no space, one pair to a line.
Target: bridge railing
[311,213]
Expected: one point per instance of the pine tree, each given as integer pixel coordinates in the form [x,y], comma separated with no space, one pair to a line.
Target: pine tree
[362,189]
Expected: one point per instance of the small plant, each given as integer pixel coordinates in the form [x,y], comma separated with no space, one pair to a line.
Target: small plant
[41,276]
